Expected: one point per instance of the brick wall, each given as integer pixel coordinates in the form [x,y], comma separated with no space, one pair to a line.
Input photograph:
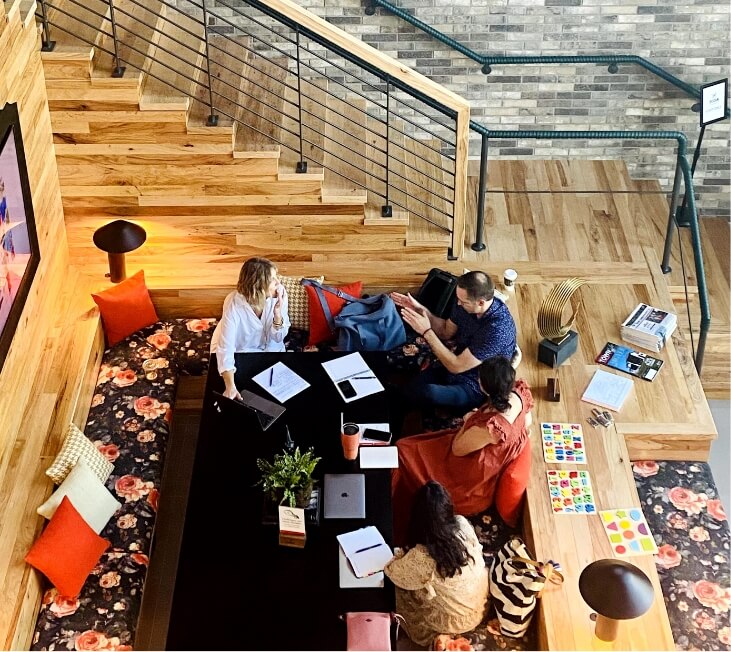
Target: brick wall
[690,39]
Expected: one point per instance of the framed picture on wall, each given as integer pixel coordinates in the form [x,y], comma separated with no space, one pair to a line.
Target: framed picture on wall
[19,252]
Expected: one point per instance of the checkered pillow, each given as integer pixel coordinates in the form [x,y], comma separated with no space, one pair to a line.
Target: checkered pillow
[299,315]
[76,446]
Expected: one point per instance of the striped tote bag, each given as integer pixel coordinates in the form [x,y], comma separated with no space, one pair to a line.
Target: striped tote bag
[516,580]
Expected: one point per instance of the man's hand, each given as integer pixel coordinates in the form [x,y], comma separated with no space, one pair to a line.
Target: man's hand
[417,319]
[406,301]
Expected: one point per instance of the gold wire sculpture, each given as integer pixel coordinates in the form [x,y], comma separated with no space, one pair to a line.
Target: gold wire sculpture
[552,309]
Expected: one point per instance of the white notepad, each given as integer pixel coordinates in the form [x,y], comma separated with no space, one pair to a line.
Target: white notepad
[353,368]
[348,580]
[607,390]
[281,382]
[378,457]
[366,550]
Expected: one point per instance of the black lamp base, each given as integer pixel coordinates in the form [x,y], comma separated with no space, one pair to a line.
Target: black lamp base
[554,354]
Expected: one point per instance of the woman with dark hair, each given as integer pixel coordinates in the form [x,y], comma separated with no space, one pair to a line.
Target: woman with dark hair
[254,318]
[469,460]
[441,580]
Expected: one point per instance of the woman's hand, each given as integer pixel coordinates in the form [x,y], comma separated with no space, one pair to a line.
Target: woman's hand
[230,391]
[278,295]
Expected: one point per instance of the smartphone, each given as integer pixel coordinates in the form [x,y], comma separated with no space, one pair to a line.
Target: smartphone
[379,436]
[347,389]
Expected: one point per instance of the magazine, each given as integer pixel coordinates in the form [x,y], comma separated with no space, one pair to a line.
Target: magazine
[648,327]
[630,361]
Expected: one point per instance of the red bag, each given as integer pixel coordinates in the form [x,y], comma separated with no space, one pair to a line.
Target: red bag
[370,630]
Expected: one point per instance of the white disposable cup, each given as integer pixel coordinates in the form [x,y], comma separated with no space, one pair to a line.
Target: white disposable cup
[509,278]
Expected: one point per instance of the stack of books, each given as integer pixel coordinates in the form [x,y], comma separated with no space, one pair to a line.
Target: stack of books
[648,327]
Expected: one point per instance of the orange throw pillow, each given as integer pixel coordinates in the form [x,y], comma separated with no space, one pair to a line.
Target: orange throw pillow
[511,486]
[319,328]
[125,308]
[67,550]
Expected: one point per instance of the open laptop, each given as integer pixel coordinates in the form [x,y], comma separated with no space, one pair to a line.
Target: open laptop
[266,411]
[344,495]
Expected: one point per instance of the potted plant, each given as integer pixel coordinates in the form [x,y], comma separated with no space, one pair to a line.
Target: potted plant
[288,477]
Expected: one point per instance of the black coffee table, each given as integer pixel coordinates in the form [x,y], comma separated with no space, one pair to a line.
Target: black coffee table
[236,587]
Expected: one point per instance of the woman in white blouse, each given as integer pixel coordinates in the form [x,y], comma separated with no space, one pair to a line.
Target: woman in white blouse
[254,319]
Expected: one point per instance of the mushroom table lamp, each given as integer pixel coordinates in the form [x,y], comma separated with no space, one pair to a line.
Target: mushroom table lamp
[617,591]
[118,238]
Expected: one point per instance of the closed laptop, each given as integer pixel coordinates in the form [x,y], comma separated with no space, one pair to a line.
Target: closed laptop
[344,495]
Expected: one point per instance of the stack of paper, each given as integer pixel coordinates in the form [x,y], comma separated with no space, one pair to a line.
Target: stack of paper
[648,327]
[366,550]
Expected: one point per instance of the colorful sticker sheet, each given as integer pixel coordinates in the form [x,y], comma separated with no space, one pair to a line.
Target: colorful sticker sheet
[628,532]
[563,442]
[571,492]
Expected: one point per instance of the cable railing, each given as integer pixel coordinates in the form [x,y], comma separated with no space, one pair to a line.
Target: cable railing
[286,83]
[685,214]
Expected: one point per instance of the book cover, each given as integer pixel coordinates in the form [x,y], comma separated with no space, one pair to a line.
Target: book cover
[648,326]
[607,390]
[630,361]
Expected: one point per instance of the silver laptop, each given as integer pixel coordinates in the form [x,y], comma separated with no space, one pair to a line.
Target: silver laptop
[344,495]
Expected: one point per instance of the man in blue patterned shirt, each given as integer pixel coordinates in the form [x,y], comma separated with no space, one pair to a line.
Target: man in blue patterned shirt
[481,326]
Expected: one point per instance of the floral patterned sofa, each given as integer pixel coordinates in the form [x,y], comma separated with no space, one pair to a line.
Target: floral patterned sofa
[129,422]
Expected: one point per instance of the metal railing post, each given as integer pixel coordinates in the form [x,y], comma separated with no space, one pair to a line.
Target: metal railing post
[47,44]
[301,164]
[387,209]
[212,117]
[665,265]
[681,218]
[479,244]
[118,69]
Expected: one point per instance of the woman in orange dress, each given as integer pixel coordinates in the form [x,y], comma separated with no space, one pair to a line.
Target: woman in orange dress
[469,460]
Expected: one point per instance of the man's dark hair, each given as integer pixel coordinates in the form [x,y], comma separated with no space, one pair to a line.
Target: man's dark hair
[478,285]
[434,525]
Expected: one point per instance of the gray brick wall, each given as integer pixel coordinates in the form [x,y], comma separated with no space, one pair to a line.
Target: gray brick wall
[690,39]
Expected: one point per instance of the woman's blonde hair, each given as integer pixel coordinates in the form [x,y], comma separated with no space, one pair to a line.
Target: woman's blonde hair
[254,279]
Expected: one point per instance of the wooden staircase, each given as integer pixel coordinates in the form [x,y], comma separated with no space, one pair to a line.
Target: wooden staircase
[139,147]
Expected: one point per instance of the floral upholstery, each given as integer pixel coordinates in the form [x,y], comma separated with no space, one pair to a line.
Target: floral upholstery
[129,423]
[681,505]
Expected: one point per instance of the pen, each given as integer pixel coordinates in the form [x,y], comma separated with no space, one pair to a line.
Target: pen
[375,545]
[361,377]
[271,376]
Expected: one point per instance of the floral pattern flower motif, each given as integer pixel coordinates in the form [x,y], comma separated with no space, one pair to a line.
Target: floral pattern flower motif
[692,535]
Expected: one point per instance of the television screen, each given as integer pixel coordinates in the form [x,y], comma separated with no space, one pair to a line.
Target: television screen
[19,253]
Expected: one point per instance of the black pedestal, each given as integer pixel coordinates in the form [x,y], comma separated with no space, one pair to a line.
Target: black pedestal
[552,354]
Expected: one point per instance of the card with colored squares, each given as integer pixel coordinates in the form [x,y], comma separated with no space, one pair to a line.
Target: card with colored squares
[571,492]
[628,532]
[563,442]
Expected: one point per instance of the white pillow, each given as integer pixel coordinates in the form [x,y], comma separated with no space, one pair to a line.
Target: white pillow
[87,494]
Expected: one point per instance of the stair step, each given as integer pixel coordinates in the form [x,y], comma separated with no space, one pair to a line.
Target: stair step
[172,79]
[68,62]
[373,217]
[266,151]
[314,173]
[344,196]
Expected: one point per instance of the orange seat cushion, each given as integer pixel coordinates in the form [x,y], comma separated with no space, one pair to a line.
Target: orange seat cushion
[319,328]
[125,308]
[511,486]
[67,550]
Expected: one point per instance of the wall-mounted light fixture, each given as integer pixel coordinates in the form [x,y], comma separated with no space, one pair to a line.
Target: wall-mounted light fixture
[116,239]
[617,591]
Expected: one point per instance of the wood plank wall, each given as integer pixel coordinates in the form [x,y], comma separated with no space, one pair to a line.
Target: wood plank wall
[42,373]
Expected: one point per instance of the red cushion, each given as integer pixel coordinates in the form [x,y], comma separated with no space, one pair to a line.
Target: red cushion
[67,550]
[319,328]
[125,308]
[511,486]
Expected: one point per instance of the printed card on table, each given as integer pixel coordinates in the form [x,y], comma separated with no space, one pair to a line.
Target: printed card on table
[628,532]
[571,492]
[563,442]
